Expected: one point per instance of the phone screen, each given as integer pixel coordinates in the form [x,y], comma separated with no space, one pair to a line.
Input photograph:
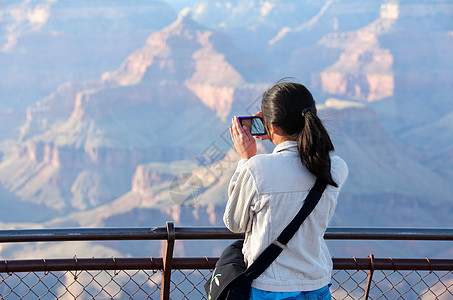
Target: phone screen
[254,124]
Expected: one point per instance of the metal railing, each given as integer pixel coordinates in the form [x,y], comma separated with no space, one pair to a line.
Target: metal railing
[171,277]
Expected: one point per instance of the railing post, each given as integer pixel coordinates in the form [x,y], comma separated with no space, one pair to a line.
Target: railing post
[169,244]
[370,277]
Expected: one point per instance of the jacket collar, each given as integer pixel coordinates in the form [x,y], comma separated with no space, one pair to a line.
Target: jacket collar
[287,145]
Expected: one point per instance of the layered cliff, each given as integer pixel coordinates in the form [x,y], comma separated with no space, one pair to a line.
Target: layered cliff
[80,145]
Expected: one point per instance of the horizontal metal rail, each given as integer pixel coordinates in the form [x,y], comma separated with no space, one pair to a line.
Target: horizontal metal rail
[187,263]
[217,233]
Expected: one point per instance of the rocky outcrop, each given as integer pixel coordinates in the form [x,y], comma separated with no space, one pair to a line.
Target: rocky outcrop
[53,109]
[217,98]
[144,178]
[383,59]
[366,87]
[364,69]
[187,53]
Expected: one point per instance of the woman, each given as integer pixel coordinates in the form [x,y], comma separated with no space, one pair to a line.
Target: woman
[266,191]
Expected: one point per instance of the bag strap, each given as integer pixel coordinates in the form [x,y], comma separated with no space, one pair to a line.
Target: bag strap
[265,259]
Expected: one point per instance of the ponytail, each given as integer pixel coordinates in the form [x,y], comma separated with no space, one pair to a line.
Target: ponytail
[292,107]
[314,145]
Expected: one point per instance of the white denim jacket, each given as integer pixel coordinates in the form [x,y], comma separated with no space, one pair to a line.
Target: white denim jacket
[265,193]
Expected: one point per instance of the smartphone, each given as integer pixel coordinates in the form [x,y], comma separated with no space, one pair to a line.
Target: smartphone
[254,124]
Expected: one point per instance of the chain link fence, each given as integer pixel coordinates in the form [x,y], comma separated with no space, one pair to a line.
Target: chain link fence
[392,284]
[189,284]
[122,284]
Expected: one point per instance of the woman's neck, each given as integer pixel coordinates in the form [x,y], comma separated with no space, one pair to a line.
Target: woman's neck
[278,139]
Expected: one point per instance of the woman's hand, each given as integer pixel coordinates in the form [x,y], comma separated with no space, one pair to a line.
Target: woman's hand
[243,140]
[261,137]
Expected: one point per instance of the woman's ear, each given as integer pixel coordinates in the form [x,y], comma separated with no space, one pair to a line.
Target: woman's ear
[276,130]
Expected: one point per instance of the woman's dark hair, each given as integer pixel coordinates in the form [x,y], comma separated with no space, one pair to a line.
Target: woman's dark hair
[291,107]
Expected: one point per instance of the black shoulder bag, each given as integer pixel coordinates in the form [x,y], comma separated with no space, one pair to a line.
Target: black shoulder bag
[231,279]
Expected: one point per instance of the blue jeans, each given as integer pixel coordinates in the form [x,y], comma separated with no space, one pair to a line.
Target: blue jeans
[320,294]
